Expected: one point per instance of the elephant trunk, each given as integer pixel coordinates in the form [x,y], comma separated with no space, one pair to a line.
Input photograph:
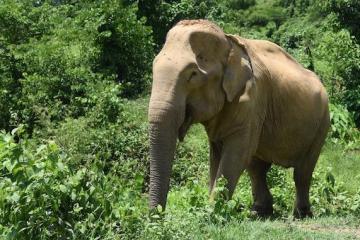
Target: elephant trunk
[163,133]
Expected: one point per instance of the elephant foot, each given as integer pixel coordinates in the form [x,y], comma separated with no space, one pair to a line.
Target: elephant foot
[300,213]
[262,211]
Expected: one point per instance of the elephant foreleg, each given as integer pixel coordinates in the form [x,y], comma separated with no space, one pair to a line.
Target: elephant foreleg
[235,156]
[257,170]
[215,155]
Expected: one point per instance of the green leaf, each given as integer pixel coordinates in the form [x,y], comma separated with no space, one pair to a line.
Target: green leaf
[63,188]
[15,197]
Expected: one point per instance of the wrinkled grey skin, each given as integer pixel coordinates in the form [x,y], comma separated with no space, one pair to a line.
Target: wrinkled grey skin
[258,105]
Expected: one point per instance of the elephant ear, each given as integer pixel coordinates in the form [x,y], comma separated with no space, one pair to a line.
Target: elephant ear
[238,74]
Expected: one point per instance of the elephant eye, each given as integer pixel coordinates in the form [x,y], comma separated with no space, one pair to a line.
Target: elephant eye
[193,74]
[201,57]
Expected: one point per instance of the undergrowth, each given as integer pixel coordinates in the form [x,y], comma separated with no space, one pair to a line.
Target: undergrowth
[89,182]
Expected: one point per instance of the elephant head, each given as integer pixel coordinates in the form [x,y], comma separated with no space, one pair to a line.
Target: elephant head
[197,71]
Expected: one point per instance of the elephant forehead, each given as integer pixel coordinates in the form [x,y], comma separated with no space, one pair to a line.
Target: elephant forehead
[200,22]
[186,28]
[178,37]
[189,26]
[187,41]
[172,59]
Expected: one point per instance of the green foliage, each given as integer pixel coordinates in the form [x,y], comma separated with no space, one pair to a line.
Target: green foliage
[240,4]
[76,165]
[348,12]
[43,197]
[112,139]
[162,15]
[339,66]
[191,158]
[296,36]
[332,198]
[62,51]
[126,47]
[342,126]
[262,15]
[89,182]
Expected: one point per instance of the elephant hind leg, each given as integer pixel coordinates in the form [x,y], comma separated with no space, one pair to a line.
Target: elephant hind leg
[262,198]
[302,178]
[303,173]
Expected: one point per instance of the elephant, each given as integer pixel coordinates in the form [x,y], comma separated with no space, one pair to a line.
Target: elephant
[258,105]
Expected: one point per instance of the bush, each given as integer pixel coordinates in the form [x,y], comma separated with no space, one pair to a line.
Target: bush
[342,125]
[339,68]
[66,67]
[240,4]
[89,183]
[348,12]
[126,47]
[44,196]
[171,12]
[17,24]
[69,48]
[261,16]
[114,141]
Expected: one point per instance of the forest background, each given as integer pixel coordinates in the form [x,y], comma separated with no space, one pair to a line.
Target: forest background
[75,80]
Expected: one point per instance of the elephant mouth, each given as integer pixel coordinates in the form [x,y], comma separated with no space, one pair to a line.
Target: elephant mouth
[185,125]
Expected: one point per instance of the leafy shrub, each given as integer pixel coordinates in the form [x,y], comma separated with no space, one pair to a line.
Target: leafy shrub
[79,187]
[330,197]
[342,125]
[173,11]
[65,68]
[296,36]
[120,147]
[126,47]
[21,20]
[69,48]
[15,28]
[261,16]
[240,4]
[338,65]
[348,12]
[44,197]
